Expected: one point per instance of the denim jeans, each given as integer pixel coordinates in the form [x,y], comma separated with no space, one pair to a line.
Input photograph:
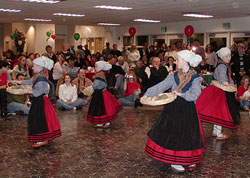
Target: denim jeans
[244,104]
[128,100]
[62,104]
[119,84]
[14,106]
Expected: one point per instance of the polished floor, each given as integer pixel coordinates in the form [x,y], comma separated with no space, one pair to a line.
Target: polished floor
[84,151]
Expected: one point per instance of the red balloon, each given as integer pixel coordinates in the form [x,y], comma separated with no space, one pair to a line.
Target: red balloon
[132,31]
[189,30]
[53,37]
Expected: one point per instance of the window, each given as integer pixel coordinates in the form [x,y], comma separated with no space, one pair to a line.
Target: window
[218,43]
[174,41]
[197,37]
[128,40]
[142,40]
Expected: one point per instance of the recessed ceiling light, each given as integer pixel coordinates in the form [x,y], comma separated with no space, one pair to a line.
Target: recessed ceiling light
[109,24]
[9,10]
[38,20]
[197,15]
[43,1]
[147,20]
[69,15]
[113,7]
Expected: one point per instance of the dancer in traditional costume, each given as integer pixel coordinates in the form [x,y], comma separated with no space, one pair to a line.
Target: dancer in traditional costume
[43,124]
[216,105]
[103,107]
[177,136]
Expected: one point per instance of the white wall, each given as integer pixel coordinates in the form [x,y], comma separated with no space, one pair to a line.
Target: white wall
[8,42]
[1,37]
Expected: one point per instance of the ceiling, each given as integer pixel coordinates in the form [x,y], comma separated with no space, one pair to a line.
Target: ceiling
[163,10]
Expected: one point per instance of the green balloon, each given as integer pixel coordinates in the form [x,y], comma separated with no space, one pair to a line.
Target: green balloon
[48,34]
[76,36]
[12,36]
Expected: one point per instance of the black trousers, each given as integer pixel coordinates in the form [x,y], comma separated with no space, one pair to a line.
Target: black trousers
[3,101]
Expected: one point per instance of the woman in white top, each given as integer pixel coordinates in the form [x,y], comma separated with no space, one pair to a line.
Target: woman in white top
[134,54]
[211,58]
[58,68]
[21,68]
[68,98]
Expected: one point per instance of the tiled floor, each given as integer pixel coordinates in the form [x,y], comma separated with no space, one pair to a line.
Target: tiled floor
[84,151]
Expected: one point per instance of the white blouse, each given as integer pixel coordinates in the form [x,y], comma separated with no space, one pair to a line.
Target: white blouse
[68,92]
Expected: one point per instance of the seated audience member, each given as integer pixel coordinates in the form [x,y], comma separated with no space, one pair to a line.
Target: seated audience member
[122,64]
[203,66]
[71,69]
[29,62]
[58,68]
[157,73]
[66,53]
[116,74]
[81,82]
[132,91]
[145,61]
[115,52]
[50,53]
[68,98]
[243,93]
[18,103]
[141,75]
[89,62]
[79,62]
[3,83]
[171,67]
[21,68]
[134,54]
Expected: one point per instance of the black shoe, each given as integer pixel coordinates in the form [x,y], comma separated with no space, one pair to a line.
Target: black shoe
[78,107]
[4,115]
[62,109]
[19,113]
[137,103]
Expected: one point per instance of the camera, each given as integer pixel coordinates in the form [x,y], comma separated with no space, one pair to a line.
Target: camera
[129,76]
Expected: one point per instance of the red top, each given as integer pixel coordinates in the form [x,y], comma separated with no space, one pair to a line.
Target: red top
[3,79]
[131,87]
[240,91]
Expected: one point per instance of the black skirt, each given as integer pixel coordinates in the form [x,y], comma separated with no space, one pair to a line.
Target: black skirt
[177,136]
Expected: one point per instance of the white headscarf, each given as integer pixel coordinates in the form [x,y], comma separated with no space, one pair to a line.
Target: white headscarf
[189,56]
[102,65]
[223,52]
[44,62]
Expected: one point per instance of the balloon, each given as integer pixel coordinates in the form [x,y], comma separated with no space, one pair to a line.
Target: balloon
[132,31]
[12,36]
[87,32]
[189,30]
[48,34]
[76,36]
[53,36]
[19,42]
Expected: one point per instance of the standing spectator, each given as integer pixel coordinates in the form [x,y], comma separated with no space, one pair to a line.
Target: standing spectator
[68,98]
[58,69]
[211,58]
[21,68]
[240,64]
[72,50]
[87,51]
[50,53]
[134,54]
[115,52]
[125,50]
[106,51]
[144,51]
[67,55]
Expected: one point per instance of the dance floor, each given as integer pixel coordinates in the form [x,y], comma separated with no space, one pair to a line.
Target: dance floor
[84,151]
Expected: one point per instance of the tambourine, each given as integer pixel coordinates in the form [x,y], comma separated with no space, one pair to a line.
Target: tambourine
[88,91]
[19,89]
[161,99]
[228,88]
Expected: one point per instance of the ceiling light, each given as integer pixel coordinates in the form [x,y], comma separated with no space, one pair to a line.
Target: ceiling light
[109,24]
[113,7]
[43,1]
[197,15]
[69,15]
[9,10]
[146,20]
[38,20]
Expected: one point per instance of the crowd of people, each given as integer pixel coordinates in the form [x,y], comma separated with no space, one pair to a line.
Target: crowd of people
[124,78]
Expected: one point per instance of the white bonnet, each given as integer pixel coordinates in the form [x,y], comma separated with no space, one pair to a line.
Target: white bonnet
[223,52]
[102,65]
[189,56]
[44,62]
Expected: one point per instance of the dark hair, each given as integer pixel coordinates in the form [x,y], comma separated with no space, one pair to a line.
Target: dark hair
[30,54]
[48,46]
[3,64]
[19,63]
[170,57]
[19,74]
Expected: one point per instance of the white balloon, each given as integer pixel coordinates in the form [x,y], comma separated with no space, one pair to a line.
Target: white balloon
[87,32]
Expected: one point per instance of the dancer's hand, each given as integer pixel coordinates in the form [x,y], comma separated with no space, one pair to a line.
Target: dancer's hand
[177,93]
